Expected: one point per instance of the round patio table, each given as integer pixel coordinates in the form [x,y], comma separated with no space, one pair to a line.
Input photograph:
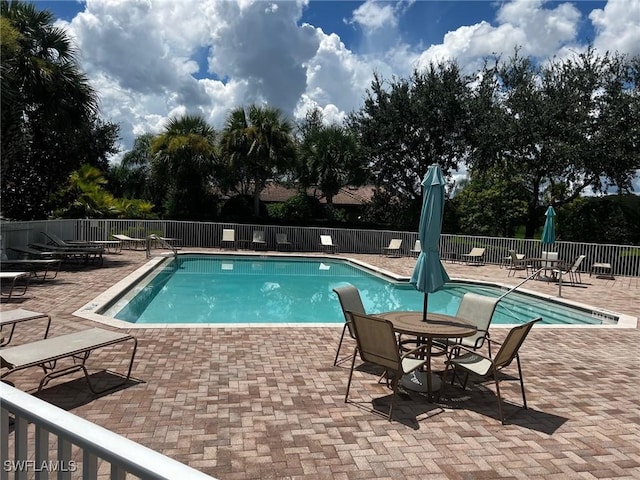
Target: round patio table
[437,326]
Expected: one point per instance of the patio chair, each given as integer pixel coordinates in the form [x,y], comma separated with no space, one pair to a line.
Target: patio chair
[475,256]
[327,245]
[228,237]
[478,310]
[378,345]
[572,270]
[77,347]
[282,242]
[131,243]
[258,240]
[350,301]
[415,251]
[516,262]
[393,248]
[470,362]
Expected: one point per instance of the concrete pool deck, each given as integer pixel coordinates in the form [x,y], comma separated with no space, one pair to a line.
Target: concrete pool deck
[266,403]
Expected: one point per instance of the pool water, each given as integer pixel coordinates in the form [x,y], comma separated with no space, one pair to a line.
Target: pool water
[215,289]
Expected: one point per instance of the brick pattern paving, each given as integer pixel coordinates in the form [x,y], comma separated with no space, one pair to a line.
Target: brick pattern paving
[266,403]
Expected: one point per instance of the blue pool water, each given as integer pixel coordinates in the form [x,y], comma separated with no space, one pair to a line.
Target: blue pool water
[215,289]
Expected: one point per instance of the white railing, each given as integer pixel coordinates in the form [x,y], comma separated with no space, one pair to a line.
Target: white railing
[32,455]
[624,259]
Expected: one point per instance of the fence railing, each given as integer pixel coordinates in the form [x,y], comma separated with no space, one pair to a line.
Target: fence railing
[624,259]
[34,455]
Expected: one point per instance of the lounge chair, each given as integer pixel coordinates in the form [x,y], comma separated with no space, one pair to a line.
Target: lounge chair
[475,256]
[350,301]
[131,243]
[258,240]
[282,242]
[12,278]
[572,270]
[378,345]
[27,252]
[74,346]
[327,245]
[470,362]
[394,247]
[10,318]
[228,237]
[81,254]
[34,266]
[53,239]
[415,251]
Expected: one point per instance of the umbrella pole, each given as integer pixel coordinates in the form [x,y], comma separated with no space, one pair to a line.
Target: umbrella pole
[424,306]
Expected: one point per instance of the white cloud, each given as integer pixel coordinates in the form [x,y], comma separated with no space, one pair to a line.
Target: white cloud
[526,24]
[149,59]
[618,27]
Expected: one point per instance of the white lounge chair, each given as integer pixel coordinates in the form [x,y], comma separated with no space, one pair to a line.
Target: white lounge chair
[131,243]
[327,245]
[475,256]
[12,278]
[228,237]
[394,247]
[258,240]
[77,347]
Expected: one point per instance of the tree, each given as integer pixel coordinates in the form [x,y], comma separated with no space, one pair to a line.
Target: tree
[256,145]
[49,112]
[329,159]
[183,160]
[551,126]
[132,178]
[409,125]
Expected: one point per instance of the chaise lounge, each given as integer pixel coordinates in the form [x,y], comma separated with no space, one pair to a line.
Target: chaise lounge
[75,346]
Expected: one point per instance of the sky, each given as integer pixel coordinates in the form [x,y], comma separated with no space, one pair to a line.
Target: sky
[150,60]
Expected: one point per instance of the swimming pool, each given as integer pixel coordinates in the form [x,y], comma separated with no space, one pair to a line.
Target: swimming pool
[214,289]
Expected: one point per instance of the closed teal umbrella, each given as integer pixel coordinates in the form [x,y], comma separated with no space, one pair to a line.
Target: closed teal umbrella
[549,230]
[429,274]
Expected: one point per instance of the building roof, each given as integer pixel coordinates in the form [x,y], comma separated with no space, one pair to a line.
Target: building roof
[347,196]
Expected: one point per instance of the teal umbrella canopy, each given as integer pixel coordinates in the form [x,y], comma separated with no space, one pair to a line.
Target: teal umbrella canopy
[429,274]
[549,230]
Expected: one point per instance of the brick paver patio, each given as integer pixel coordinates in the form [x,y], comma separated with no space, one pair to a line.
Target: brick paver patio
[266,403]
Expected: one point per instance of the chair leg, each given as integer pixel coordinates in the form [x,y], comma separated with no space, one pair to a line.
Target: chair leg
[394,386]
[353,362]
[344,329]
[524,398]
[495,377]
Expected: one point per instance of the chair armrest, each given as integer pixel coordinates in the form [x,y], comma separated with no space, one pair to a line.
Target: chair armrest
[413,351]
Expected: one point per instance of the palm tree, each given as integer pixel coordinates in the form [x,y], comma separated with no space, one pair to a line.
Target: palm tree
[257,145]
[46,102]
[183,160]
[330,157]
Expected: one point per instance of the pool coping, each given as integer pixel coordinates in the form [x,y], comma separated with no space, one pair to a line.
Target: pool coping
[90,310]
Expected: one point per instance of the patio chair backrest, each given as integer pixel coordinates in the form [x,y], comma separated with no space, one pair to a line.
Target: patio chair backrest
[417,246]
[377,341]
[350,301]
[395,244]
[258,235]
[576,264]
[478,310]
[509,349]
[281,238]
[326,240]
[476,252]
[228,235]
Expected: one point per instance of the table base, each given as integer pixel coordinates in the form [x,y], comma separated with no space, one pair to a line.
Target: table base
[417,381]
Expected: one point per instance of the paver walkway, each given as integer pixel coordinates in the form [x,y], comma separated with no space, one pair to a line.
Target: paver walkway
[266,403]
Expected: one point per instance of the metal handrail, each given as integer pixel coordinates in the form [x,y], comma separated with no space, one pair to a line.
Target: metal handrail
[537,272]
[162,242]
